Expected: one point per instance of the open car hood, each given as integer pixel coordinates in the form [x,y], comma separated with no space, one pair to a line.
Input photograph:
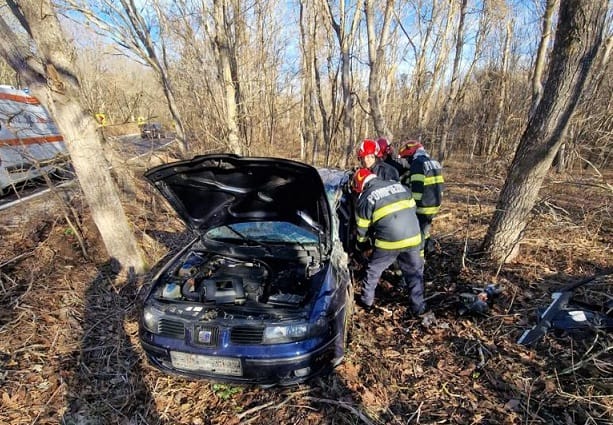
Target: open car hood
[213,190]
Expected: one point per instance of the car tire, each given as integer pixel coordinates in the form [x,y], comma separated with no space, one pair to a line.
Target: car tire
[349,307]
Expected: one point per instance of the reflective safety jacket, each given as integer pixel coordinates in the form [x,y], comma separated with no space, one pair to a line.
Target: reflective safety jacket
[386,209]
[396,163]
[385,171]
[425,178]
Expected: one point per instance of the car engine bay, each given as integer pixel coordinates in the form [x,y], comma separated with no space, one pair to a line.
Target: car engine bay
[213,279]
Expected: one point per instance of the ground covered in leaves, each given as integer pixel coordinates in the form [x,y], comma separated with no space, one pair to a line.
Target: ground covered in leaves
[69,350]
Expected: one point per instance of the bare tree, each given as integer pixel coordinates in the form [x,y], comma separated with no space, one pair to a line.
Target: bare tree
[541,55]
[377,43]
[224,59]
[307,43]
[494,136]
[49,72]
[433,21]
[579,35]
[345,28]
[448,107]
[124,23]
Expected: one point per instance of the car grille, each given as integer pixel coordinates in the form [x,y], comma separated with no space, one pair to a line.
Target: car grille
[207,336]
[246,335]
[173,328]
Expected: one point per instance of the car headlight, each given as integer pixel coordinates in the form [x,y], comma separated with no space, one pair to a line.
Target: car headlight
[151,319]
[279,334]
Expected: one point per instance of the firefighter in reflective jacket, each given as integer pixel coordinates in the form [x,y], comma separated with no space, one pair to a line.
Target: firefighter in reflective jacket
[386,212]
[425,179]
[369,157]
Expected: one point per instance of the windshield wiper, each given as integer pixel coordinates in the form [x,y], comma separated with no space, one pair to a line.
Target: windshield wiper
[249,240]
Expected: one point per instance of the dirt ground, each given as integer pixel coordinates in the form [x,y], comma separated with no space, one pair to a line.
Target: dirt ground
[69,350]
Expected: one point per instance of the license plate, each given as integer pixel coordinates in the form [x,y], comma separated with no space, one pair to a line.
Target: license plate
[211,364]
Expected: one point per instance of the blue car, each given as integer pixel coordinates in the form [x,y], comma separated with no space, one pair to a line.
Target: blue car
[262,294]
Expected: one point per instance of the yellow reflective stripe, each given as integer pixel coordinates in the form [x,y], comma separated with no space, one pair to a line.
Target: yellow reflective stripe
[417,196]
[404,243]
[417,177]
[433,180]
[428,210]
[392,208]
[361,238]
[362,222]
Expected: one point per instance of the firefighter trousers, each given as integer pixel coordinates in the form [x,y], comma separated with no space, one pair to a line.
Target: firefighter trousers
[412,266]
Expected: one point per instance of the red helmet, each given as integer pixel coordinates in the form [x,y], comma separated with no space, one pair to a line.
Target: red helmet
[360,178]
[384,146]
[409,148]
[368,147]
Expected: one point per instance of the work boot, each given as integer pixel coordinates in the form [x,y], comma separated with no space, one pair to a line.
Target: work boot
[367,308]
[419,311]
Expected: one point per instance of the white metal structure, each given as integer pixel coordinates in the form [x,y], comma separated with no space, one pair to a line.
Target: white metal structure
[30,143]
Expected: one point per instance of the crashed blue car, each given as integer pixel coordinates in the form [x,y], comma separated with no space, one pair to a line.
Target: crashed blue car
[262,294]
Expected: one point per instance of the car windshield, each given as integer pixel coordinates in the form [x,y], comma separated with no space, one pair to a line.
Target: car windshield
[263,232]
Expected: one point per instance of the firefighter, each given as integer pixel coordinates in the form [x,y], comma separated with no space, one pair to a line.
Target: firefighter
[386,212]
[368,154]
[424,176]
[386,153]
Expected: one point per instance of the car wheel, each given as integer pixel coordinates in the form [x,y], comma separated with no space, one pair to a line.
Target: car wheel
[349,307]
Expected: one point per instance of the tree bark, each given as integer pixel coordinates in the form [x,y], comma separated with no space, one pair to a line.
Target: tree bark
[225,75]
[502,94]
[541,55]
[579,35]
[448,107]
[51,76]
[377,42]
[345,38]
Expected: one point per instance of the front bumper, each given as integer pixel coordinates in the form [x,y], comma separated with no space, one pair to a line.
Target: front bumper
[267,371]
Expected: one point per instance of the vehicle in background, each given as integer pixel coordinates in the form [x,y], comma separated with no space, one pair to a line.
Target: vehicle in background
[263,294]
[152,130]
[30,143]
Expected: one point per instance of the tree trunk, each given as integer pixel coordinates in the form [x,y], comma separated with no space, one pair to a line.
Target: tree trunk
[129,28]
[58,88]
[447,114]
[307,39]
[541,56]
[495,131]
[579,35]
[376,55]
[345,38]
[225,75]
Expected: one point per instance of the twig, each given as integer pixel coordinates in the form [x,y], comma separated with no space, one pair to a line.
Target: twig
[17,258]
[416,412]
[580,364]
[450,394]
[255,409]
[344,405]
